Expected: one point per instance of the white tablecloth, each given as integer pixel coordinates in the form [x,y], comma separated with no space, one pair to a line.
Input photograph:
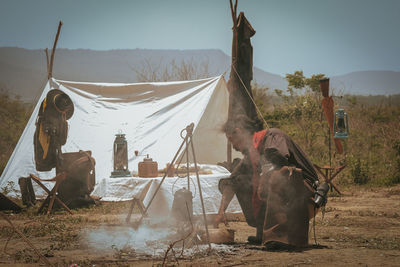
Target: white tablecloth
[123,189]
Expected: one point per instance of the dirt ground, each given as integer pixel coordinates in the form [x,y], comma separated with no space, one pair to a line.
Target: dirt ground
[359,228]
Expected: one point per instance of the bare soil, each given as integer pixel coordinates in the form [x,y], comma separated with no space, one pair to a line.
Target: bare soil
[360,227]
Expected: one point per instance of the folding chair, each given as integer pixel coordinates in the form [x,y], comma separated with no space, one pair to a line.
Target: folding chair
[329,174]
[138,200]
[51,194]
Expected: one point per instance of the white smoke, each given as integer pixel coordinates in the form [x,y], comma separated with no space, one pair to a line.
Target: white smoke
[144,240]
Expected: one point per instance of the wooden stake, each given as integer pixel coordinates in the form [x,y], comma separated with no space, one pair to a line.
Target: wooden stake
[50,73]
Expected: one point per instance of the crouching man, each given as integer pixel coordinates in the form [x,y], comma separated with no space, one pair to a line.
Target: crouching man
[274,184]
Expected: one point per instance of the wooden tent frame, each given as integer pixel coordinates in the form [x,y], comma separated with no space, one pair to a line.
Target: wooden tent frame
[241,71]
[53,51]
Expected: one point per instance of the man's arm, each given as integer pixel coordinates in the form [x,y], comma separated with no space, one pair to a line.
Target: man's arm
[227,196]
[276,150]
[226,188]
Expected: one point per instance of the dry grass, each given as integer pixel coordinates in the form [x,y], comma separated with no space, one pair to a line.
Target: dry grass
[360,227]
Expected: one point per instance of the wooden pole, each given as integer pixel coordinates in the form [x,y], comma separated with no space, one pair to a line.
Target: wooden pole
[47,60]
[233,11]
[234,55]
[50,73]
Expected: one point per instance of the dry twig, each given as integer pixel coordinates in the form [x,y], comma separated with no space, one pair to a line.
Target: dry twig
[170,247]
[8,240]
[26,239]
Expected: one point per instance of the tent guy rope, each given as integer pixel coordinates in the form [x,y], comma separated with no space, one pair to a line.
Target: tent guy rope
[252,100]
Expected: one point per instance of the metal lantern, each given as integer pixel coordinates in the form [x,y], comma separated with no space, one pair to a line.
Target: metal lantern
[341,125]
[120,156]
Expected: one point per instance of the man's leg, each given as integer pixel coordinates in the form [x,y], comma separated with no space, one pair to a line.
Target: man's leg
[287,218]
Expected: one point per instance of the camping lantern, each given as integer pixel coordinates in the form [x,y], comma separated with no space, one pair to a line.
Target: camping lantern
[120,156]
[341,125]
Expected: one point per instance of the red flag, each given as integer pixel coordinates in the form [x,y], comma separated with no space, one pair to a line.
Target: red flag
[327,105]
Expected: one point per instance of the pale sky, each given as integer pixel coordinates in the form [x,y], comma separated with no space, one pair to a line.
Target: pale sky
[333,37]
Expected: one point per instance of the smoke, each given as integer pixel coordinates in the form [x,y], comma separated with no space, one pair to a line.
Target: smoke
[147,242]
[156,234]
[144,240]
[152,237]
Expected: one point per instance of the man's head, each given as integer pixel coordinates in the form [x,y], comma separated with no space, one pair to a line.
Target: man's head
[239,132]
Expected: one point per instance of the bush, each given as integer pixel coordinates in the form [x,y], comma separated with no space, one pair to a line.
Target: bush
[14,115]
[372,150]
[359,172]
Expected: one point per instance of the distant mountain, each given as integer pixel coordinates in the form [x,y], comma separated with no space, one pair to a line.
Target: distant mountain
[23,72]
[367,83]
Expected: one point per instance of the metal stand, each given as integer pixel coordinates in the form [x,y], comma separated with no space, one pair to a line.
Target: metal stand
[187,140]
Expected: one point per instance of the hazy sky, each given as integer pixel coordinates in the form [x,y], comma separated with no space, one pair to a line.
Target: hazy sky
[317,36]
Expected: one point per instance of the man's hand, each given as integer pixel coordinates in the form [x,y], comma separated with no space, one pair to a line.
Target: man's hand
[220,218]
[227,195]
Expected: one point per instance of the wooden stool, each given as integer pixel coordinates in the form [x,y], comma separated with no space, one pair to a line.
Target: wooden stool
[138,200]
[52,194]
[329,174]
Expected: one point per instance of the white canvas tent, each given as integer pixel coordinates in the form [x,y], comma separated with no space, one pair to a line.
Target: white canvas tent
[150,114]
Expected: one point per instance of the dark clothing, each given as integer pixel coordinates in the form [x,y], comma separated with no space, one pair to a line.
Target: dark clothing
[285,199]
[280,150]
[243,188]
[289,202]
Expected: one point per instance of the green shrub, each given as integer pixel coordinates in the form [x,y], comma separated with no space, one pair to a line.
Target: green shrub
[14,115]
[359,172]
[372,150]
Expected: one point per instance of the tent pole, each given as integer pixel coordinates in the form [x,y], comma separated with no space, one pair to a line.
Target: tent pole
[47,60]
[50,73]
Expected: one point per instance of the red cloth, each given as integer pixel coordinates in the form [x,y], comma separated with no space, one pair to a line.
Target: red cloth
[327,105]
[255,161]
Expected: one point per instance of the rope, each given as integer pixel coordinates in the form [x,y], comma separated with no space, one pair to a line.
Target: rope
[252,100]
